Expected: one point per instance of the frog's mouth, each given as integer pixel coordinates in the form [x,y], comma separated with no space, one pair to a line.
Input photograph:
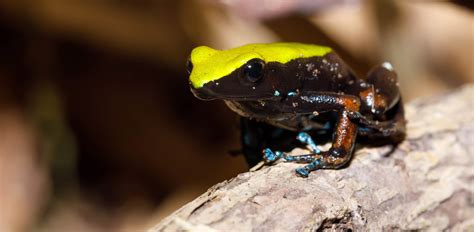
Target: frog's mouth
[213,91]
[202,94]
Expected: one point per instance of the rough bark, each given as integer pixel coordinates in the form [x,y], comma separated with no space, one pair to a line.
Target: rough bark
[425,183]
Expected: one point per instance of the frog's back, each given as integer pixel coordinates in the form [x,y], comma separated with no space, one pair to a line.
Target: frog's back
[282,52]
[327,73]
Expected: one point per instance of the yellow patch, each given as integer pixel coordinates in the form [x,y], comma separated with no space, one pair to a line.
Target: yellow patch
[210,64]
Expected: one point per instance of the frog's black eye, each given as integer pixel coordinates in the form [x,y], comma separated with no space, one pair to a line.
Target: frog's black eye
[253,70]
[189,66]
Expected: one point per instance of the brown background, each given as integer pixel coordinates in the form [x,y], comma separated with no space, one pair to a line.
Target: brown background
[98,129]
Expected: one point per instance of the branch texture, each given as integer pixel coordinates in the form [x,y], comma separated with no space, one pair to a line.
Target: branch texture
[425,183]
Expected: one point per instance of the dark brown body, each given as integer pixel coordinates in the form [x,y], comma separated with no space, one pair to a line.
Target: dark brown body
[294,96]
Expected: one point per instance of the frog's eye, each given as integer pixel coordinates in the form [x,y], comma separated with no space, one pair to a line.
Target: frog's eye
[189,66]
[253,70]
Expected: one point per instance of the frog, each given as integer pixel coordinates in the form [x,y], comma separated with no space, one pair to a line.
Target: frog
[288,88]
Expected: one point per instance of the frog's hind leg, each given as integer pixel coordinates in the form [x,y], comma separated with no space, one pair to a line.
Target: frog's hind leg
[382,99]
[381,93]
[393,129]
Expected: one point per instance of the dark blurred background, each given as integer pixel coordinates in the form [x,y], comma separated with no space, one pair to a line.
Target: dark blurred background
[98,128]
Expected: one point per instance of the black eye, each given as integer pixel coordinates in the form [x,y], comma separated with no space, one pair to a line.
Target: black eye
[189,66]
[253,70]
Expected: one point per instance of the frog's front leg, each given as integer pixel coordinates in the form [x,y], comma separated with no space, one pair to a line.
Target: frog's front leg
[270,156]
[341,150]
[305,138]
[345,132]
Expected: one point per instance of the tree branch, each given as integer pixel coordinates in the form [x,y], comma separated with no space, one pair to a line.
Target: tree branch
[424,183]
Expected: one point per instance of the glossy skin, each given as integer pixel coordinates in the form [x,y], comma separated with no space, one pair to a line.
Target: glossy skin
[281,99]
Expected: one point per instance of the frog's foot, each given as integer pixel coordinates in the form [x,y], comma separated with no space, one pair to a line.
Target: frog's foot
[314,161]
[332,159]
[300,158]
[305,138]
[269,156]
[304,171]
